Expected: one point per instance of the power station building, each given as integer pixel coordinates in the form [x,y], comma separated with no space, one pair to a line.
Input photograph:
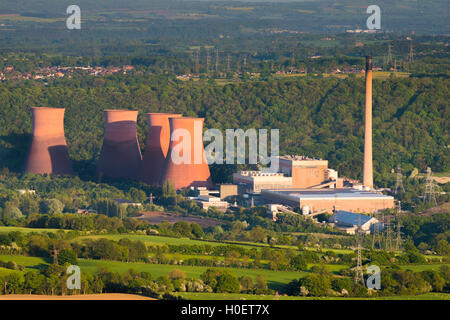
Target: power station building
[350,222]
[314,200]
[294,172]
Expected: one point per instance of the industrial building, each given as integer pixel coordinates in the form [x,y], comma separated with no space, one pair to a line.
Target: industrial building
[207,201]
[350,222]
[48,152]
[156,147]
[314,200]
[228,190]
[294,172]
[120,156]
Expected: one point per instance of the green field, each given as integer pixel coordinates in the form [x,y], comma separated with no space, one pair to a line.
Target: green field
[26,230]
[421,267]
[161,240]
[4,271]
[150,240]
[275,279]
[29,262]
[16,17]
[232,296]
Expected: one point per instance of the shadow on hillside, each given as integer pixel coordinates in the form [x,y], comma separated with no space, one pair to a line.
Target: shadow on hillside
[85,169]
[13,151]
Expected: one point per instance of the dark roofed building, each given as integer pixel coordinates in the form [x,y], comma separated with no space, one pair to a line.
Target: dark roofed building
[349,221]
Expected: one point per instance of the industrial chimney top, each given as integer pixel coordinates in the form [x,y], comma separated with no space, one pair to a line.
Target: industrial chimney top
[368,63]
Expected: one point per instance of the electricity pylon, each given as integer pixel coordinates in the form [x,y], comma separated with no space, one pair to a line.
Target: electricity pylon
[207,60]
[197,61]
[411,52]
[430,189]
[388,245]
[217,60]
[399,183]
[359,276]
[376,233]
[389,58]
[398,241]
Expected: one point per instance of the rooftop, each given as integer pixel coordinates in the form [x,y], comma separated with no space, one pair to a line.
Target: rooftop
[349,218]
[341,193]
[297,158]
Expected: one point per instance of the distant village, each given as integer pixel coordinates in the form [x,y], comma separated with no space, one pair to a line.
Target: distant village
[9,73]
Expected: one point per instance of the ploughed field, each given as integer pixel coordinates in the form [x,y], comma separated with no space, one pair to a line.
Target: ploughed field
[155,217]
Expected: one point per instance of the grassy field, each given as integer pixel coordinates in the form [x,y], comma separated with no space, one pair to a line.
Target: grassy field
[232,296]
[421,267]
[29,262]
[4,271]
[152,240]
[275,279]
[17,17]
[26,230]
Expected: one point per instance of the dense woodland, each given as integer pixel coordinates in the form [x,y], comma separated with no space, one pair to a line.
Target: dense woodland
[320,117]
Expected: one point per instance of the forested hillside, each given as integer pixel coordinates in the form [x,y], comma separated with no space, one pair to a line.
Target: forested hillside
[319,117]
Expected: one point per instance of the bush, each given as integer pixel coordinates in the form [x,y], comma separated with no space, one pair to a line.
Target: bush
[227,283]
[13,213]
[67,256]
[52,206]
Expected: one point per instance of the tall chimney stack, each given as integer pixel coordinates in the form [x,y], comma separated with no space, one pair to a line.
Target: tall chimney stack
[368,165]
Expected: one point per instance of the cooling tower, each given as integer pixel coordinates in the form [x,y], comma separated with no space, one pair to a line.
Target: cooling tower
[185,164]
[156,147]
[120,156]
[48,152]
[368,165]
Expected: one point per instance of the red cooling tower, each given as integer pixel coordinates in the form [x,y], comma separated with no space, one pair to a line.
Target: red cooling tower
[120,156]
[156,148]
[185,164]
[48,152]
